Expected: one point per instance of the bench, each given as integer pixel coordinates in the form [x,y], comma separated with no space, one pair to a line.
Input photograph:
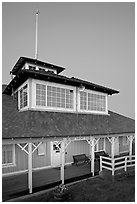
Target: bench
[100,153]
[81,158]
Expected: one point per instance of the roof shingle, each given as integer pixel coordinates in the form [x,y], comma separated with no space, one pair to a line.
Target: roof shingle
[43,123]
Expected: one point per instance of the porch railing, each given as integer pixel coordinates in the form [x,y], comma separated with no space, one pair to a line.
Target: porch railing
[114,164]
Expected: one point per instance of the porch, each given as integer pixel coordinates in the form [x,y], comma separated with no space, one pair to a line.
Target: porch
[17,185]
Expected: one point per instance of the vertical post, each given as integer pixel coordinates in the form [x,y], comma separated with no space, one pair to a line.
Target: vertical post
[125,163]
[92,154]
[30,167]
[36,45]
[113,154]
[130,146]
[62,160]
[100,163]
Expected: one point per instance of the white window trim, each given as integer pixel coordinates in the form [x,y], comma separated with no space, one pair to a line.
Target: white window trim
[44,150]
[24,84]
[104,145]
[41,67]
[13,159]
[92,111]
[36,107]
[123,141]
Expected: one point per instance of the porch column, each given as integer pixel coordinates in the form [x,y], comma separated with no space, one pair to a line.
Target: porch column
[92,154]
[30,167]
[113,147]
[130,145]
[113,153]
[62,160]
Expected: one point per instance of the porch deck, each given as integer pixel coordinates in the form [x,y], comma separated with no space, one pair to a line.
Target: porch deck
[16,185]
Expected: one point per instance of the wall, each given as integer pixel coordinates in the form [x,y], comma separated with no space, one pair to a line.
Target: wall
[76,147]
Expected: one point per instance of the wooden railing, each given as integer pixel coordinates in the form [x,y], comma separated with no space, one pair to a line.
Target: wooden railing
[114,164]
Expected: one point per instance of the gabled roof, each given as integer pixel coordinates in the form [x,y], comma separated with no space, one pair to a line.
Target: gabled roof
[22,60]
[23,75]
[29,124]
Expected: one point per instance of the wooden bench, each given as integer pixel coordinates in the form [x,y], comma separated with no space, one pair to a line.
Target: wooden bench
[100,153]
[81,158]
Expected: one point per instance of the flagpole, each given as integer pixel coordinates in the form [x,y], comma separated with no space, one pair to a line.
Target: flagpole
[36,42]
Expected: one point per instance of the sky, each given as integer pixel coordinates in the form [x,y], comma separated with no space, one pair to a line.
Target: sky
[94,41]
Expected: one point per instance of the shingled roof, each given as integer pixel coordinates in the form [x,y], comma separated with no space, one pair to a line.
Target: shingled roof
[45,124]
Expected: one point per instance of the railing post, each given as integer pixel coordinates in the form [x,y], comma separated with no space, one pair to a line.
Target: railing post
[113,166]
[100,163]
[125,163]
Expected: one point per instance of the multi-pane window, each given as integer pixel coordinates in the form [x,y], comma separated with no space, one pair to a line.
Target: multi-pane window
[96,102]
[92,102]
[24,97]
[40,95]
[59,97]
[83,100]
[7,154]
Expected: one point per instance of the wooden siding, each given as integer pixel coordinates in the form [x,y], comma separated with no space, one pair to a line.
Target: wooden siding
[21,163]
[122,147]
[108,146]
[42,160]
[21,160]
[76,147]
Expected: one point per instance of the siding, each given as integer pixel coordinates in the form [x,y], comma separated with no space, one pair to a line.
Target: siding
[21,161]
[76,147]
[122,147]
[42,160]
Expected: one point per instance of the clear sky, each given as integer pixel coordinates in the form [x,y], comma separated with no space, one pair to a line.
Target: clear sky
[93,41]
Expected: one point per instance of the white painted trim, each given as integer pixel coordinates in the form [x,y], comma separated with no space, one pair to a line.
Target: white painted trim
[30,167]
[14,173]
[13,158]
[47,108]
[92,111]
[28,95]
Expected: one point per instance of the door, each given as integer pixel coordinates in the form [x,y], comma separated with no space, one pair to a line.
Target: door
[55,153]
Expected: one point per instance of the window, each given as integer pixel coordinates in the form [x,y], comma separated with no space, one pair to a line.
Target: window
[92,102]
[59,97]
[23,97]
[83,100]
[8,155]
[40,95]
[42,149]
[100,145]
[125,140]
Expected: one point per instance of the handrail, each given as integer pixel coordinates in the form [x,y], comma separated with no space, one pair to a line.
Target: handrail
[128,161]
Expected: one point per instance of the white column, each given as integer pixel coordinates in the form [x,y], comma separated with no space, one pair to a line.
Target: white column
[30,167]
[92,154]
[130,145]
[62,160]
[113,154]
[113,147]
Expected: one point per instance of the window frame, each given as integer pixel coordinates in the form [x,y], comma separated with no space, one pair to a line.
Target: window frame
[18,90]
[40,153]
[13,163]
[125,141]
[51,108]
[92,111]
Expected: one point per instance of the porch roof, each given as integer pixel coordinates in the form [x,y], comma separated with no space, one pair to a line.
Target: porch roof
[33,124]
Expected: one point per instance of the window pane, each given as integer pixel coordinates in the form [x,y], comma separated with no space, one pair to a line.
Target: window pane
[40,95]
[23,97]
[7,154]
[83,100]
[59,97]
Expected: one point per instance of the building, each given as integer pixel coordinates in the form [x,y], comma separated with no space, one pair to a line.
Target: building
[48,118]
